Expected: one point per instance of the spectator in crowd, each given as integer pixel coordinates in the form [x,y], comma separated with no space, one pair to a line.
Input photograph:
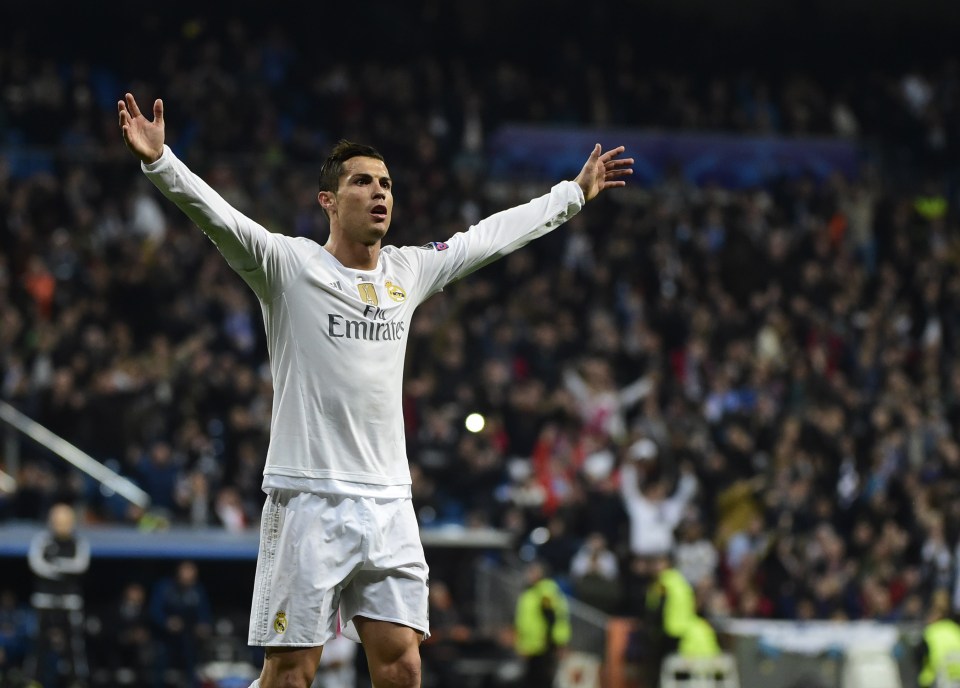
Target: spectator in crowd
[159,473]
[750,542]
[59,557]
[654,512]
[600,404]
[799,332]
[17,629]
[337,666]
[182,619]
[130,640]
[696,556]
[595,573]
[449,639]
[560,547]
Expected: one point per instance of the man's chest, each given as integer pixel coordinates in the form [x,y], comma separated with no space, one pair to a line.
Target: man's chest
[347,306]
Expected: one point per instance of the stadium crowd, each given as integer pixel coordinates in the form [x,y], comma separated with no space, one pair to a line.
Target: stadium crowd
[773,367]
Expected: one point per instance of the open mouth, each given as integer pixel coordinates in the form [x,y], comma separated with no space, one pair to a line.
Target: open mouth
[379,213]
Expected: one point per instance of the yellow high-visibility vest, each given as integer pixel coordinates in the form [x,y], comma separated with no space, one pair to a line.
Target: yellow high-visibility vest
[700,640]
[680,607]
[943,639]
[532,625]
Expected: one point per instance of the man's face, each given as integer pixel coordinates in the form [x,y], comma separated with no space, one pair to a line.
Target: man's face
[362,206]
[62,521]
[187,574]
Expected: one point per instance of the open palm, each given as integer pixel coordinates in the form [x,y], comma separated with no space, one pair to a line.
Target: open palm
[603,171]
[143,137]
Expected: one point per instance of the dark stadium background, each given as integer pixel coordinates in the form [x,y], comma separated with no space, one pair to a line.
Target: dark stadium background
[851,44]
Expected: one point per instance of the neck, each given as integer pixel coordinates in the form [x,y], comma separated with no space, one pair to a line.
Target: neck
[353,255]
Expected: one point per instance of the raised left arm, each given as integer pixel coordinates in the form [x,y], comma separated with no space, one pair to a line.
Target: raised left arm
[603,171]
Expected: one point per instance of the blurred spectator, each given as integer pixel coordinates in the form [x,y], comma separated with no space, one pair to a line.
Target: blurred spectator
[158,473]
[654,512]
[559,547]
[600,404]
[749,543]
[696,557]
[595,573]
[336,668]
[449,638]
[17,629]
[181,616]
[229,510]
[59,557]
[799,339]
[130,639]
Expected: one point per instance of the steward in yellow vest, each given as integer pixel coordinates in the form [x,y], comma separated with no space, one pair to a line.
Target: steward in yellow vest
[672,621]
[941,644]
[670,599]
[542,626]
[700,640]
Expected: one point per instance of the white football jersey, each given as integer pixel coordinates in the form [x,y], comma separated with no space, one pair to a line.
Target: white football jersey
[337,336]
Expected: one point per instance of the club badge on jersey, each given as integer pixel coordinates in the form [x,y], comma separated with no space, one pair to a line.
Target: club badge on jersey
[280,622]
[395,292]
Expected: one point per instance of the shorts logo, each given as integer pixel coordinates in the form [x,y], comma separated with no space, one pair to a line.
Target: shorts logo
[280,622]
[368,293]
[440,245]
[395,292]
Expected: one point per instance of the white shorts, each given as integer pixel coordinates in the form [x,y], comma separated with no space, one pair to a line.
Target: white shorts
[324,553]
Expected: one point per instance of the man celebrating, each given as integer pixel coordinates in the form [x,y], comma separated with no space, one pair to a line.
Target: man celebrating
[338,530]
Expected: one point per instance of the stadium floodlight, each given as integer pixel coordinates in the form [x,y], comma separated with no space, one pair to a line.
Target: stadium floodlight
[475,422]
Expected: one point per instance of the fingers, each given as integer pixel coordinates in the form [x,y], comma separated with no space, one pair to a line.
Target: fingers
[612,153]
[132,105]
[158,111]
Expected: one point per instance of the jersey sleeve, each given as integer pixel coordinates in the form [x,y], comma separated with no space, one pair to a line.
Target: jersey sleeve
[265,260]
[441,263]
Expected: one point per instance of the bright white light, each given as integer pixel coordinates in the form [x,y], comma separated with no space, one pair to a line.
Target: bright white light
[539,536]
[475,422]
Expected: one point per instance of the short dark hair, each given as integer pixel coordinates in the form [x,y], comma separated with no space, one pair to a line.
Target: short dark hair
[332,168]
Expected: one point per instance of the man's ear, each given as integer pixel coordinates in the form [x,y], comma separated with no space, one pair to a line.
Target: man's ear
[327,200]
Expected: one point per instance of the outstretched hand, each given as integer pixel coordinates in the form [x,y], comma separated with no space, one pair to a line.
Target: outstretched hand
[603,171]
[143,137]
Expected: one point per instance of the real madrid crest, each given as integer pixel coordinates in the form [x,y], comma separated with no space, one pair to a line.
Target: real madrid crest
[280,622]
[395,291]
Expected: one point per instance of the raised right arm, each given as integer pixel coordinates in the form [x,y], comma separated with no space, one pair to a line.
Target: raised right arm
[254,253]
[266,261]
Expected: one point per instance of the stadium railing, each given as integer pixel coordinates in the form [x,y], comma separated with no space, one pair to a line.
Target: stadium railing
[24,425]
